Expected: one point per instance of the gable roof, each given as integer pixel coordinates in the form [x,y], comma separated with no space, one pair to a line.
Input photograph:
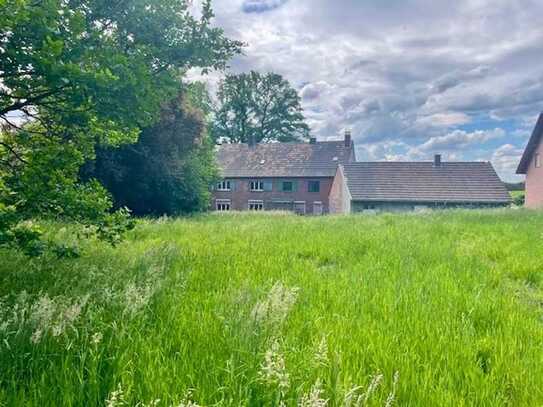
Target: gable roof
[453,182]
[535,139]
[319,159]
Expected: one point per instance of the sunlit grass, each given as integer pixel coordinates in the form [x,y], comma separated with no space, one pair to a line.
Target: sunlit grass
[432,309]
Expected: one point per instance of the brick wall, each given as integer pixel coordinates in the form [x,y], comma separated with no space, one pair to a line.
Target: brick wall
[534,182]
[240,195]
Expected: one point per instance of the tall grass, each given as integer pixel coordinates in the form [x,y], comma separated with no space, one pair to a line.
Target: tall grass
[432,309]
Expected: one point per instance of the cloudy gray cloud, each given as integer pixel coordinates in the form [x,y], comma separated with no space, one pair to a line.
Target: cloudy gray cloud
[260,6]
[402,74]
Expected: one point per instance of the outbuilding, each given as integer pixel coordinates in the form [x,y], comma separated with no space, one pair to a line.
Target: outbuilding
[411,186]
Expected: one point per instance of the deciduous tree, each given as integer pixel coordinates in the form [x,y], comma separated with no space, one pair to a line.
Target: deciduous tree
[79,73]
[258,108]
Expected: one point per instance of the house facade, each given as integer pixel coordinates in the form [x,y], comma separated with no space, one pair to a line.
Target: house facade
[531,166]
[294,177]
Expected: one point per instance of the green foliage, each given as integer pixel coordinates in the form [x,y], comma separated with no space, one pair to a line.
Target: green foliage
[81,73]
[262,107]
[519,197]
[329,305]
[168,171]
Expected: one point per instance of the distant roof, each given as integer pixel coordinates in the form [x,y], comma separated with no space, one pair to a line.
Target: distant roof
[283,159]
[454,182]
[535,139]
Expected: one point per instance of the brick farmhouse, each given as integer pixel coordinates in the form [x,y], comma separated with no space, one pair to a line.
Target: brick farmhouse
[317,178]
[280,176]
[530,165]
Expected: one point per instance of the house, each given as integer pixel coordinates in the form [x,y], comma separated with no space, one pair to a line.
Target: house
[407,186]
[324,177]
[530,165]
[280,176]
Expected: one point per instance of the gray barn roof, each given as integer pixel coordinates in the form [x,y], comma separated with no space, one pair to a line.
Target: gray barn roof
[454,182]
[535,139]
[283,159]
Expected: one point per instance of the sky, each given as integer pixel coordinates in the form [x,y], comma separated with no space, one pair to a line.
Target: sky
[409,78]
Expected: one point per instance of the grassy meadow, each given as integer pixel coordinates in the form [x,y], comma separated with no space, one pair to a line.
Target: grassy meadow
[437,309]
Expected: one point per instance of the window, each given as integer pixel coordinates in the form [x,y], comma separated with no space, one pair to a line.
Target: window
[537,160]
[257,186]
[256,205]
[287,186]
[222,205]
[223,186]
[313,186]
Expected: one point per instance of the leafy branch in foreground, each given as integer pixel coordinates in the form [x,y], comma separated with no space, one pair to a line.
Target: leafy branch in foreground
[75,74]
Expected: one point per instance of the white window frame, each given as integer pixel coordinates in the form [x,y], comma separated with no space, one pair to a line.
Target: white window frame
[256,185]
[255,205]
[224,185]
[537,160]
[223,205]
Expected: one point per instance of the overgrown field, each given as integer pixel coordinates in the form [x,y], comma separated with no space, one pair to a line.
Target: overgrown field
[442,309]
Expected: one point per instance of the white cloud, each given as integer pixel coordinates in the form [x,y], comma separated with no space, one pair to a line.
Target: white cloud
[406,71]
[506,159]
[459,140]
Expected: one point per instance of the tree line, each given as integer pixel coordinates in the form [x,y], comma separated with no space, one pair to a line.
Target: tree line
[97,118]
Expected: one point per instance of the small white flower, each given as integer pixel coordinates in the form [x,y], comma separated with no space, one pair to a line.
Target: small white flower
[187,401]
[116,397]
[96,338]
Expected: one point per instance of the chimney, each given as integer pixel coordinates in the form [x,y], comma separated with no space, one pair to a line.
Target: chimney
[437,160]
[313,140]
[348,138]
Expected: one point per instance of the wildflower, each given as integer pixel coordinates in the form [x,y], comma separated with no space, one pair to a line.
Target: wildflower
[96,338]
[321,355]
[273,371]
[116,397]
[314,397]
[275,307]
[187,402]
